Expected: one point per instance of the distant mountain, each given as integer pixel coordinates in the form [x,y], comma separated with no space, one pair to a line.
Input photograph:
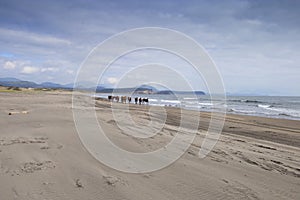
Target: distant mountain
[51,85]
[199,92]
[146,89]
[13,82]
[69,85]
[180,92]
[142,89]
[9,79]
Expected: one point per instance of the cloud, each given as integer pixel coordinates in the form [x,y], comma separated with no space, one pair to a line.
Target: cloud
[33,38]
[244,38]
[50,69]
[112,80]
[69,71]
[9,65]
[29,70]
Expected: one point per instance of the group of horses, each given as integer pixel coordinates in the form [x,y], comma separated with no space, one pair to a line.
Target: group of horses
[125,99]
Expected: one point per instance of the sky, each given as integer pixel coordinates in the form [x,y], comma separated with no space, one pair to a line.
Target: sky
[254,44]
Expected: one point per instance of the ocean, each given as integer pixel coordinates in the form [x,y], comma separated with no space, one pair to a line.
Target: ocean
[266,106]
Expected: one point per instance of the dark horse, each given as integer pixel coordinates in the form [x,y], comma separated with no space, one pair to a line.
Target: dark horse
[145,100]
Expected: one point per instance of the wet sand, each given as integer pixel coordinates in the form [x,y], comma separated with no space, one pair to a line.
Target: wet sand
[41,156]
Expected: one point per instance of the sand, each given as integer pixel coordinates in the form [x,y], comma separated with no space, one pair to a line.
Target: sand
[41,156]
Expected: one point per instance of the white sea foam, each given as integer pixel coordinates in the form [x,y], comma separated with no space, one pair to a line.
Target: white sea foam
[205,104]
[171,101]
[278,107]
[189,98]
[264,106]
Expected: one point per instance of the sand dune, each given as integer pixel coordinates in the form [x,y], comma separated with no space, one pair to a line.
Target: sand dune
[41,155]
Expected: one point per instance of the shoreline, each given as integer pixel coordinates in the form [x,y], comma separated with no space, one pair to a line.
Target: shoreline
[270,129]
[229,110]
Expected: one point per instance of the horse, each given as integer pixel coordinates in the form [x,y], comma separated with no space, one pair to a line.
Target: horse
[145,100]
[123,99]
[116,98]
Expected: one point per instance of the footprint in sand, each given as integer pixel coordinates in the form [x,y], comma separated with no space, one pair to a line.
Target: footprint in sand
[147,175]
[45,147]
[31,167]
[191,152]
[113,180]
[28,167]
[110,180]
[78,183]
[113,122]
[22,140]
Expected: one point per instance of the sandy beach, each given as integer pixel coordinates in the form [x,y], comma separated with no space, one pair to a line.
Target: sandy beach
[41,155]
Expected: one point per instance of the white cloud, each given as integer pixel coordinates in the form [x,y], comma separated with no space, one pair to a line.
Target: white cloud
[29,70]
[112,80]
[9,65]
[69,71]
[254,22]
[30,37]
[49,69]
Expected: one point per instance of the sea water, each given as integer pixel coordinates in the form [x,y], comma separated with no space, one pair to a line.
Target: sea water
[267,106]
